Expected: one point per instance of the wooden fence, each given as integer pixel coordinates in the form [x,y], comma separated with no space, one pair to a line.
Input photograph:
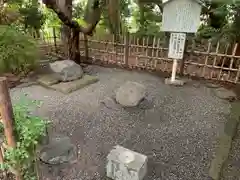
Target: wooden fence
[205,59]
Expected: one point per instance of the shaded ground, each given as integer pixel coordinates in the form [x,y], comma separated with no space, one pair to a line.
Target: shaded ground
[178,131]
[231,169]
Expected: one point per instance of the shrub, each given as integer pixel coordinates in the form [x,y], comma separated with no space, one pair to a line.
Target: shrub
[29,130]
[18,52]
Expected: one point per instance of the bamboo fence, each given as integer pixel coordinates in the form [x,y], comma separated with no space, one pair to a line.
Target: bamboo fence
[204,59]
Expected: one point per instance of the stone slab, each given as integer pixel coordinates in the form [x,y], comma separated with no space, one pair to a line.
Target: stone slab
[48,79]
[68,87]
[176,82]
[225,142]
[124,164]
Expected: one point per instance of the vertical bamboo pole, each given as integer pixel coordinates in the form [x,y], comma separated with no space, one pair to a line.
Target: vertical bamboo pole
[146,51]
[126,49]
[232,59]
[137,48]
[55,39]
[157,54]
[215,59]
[223,62]
[6,112]
[238,75]
[206,59]
[153,52]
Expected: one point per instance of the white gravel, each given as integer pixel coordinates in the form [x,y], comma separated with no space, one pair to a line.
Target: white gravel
[178,132]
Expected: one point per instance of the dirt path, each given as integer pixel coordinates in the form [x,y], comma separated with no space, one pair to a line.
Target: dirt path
[178,132]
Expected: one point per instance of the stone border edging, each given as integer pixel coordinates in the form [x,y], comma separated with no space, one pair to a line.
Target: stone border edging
[225,142]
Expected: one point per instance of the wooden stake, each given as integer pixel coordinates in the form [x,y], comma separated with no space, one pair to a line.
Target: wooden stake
[6,112]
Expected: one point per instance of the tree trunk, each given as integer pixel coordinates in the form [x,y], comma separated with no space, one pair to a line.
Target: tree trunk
[66,7]
[63,8]
[73,46]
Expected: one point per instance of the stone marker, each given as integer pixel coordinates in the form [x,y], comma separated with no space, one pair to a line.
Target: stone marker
[67,69]
[124,164]
[130,94]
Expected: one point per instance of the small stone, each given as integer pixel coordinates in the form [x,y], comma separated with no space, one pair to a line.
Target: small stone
[68,70]
[110,103]
[225,94]
[124,164]
[130,94]
[176,82]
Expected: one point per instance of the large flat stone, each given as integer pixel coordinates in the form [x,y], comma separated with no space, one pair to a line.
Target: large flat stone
[68,87]
[48,79]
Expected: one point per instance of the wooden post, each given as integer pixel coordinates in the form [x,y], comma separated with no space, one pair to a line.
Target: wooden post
[126,49]
[55,39]
[6,112]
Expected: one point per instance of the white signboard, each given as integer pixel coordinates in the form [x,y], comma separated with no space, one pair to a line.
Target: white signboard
[176,45]
[181,16]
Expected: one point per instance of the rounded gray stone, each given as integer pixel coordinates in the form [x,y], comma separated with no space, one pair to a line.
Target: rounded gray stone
[60,150]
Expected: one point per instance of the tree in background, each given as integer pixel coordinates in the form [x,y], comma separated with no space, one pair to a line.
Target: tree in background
[32,16]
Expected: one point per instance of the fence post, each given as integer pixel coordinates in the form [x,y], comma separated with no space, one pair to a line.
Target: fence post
[126,48]
[55,39]
[6,111]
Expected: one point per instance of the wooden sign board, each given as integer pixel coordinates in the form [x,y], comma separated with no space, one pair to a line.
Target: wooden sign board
[181,16]
[176,45]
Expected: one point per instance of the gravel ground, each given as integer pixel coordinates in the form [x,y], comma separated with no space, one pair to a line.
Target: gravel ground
[178,131]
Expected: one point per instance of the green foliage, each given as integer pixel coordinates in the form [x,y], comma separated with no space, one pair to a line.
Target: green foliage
[18,52]
[29,130]
[31,14]
[51,18]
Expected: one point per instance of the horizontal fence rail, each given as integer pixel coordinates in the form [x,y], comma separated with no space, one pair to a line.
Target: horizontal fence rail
[205,59]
